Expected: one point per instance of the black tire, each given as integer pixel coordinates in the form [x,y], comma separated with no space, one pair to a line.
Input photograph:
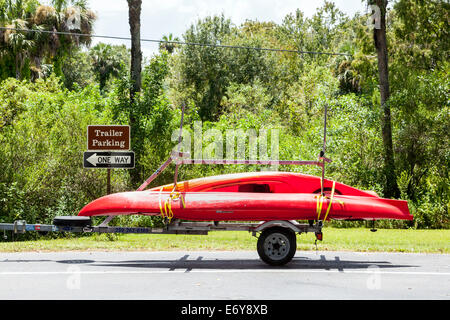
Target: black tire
[277,246]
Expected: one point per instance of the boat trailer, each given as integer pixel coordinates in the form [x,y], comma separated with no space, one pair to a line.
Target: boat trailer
[277,242]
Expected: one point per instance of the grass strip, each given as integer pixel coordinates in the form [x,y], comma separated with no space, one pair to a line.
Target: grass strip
[335,239]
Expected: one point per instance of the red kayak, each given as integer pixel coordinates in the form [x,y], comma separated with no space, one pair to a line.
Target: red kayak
[253,196]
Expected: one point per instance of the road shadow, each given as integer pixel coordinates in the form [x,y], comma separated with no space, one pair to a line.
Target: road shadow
[188,264]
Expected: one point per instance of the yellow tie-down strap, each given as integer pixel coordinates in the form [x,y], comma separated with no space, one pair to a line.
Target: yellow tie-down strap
[321,198]
[166,211]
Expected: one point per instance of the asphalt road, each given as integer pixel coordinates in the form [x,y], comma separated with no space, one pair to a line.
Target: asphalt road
[222,276]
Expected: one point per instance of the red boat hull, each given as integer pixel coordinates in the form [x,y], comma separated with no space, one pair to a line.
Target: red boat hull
[243,206]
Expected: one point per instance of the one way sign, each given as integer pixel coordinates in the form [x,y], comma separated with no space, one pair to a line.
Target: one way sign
[124,160]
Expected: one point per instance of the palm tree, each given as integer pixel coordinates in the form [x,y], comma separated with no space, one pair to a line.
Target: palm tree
[169,43]
[134,19]
[18,46]
[33,47]
[61,45]
[108,61]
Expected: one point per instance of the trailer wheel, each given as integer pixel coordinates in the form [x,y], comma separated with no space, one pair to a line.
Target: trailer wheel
[276,246]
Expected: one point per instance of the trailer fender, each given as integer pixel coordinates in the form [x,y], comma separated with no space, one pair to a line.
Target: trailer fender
[291,225]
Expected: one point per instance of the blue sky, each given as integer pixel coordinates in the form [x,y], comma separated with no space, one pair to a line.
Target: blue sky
[160,18]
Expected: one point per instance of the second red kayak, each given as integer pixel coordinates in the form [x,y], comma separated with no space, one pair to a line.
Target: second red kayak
[246,206]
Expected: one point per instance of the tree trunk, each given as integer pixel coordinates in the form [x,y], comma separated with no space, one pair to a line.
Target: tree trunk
[391,188]
[19,60]
[18,74]
[134,19]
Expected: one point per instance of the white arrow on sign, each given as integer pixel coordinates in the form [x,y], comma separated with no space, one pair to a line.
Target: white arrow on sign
[95,160]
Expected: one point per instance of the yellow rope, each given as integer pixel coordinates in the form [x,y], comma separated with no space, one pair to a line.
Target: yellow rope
[173,196]
[321,198]
[331,200]
[160,205]
[169,213]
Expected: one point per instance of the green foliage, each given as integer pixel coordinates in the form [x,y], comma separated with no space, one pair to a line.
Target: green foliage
[77,71]
[205,68]
[43,124]
[42,146]
[421,29]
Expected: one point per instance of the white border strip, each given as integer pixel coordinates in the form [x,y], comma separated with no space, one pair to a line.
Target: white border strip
[106,272]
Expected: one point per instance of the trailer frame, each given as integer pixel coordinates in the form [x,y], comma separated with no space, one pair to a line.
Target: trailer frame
[175,227]
[276,252]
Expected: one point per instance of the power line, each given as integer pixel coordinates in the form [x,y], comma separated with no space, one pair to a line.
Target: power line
[177,42]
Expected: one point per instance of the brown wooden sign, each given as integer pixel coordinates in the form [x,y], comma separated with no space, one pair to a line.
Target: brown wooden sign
[105,137]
